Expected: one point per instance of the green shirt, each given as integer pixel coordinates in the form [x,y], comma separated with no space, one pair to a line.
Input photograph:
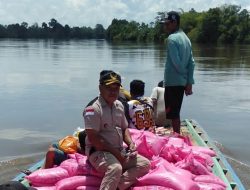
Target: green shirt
[179,68]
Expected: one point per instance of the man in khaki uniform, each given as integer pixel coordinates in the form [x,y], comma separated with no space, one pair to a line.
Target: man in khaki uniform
[106,129]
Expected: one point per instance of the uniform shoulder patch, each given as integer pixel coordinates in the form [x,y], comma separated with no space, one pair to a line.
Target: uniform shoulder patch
[89,111]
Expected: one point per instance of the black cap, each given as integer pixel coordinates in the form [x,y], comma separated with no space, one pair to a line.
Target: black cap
[170,17]
[108,77]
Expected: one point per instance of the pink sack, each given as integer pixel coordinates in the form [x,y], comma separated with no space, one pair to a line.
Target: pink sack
[192,165]
[72,156]
[47,177]
[187,140]
[87,188]
[159,175]
[143,148]
[210,186]
[210,179]
[176,142]
[204,150]
[204,159]
[151,187]
[71,166]
[172,154]
[149,135]
[168,152]
[45,188]
[135,134]
[76,181]
[84,166]
[81,159]
[156,144]
[171,168]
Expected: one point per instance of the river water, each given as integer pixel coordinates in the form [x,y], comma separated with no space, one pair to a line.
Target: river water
[44,85]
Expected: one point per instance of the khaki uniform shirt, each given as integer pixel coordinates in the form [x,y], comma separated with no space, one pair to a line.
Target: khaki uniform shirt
[108,122]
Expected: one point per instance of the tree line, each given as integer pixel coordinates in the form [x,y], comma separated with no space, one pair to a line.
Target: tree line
[225,24]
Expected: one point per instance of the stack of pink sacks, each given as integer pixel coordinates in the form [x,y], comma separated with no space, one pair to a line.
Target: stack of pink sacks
[175,165]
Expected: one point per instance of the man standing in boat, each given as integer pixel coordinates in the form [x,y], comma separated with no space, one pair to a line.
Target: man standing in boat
[107,128]
[179,68]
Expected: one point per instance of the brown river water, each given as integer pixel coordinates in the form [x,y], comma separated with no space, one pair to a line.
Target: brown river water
[44,85]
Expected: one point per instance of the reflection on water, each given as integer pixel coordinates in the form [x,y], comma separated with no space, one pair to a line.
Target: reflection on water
[44,85]
[225,58]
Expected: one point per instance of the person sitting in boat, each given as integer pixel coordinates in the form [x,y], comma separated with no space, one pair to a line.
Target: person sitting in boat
[141,109]
[56,155]
[124,96]
[106,129]
[157,96]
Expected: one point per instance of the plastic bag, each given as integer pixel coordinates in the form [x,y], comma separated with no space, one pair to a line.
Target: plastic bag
[68,144]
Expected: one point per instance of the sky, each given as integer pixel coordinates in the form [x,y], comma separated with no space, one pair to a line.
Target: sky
[91,12]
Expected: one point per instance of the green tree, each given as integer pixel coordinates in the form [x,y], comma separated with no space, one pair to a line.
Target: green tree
[75,32]
[143,32]
[2,31]
[34,31]
[229,29]
[208,30]
[45,30]
[189,20]
[53,23]
[56,29]
[66,31]
[159,27]
[244,27]
[131,31]
[115,30]
[99,31]
[87,32]
[12,30]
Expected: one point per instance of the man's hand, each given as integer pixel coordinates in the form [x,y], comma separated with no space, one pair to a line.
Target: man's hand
[132,150]
[188,89]
[122,158]
[132,147]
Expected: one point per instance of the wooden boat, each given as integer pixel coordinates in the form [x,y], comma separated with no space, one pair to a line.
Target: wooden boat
[199,137]
[221,166]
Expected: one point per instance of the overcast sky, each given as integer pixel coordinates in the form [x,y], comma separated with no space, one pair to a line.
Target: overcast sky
[92,12]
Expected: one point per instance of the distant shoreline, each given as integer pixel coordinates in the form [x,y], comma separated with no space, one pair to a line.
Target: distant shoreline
[227,24]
